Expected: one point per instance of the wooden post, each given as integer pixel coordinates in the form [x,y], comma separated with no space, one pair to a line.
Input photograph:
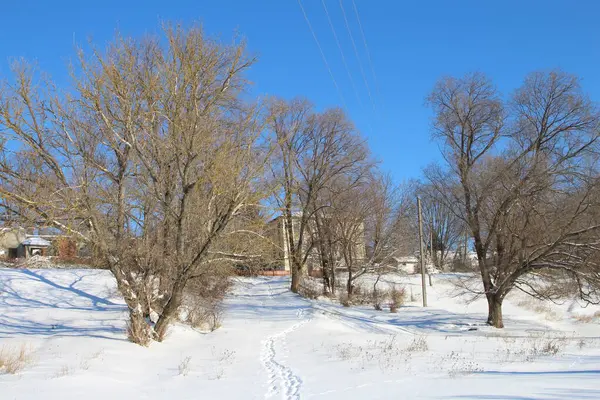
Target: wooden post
[422,254]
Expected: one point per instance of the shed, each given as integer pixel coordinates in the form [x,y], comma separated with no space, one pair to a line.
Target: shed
[35,246]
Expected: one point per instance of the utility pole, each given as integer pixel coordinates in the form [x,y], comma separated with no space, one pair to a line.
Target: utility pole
[422,254]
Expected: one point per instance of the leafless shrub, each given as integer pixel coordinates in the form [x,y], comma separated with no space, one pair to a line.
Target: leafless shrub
[203,302]
[587,318]
[538,307]
[464,367]
[347,351]
[308,291]
[344,299]
[184,366]
[63,371]
[418,344]
[531,348]
[397,298]
[14,360]
[225,356]
[85,364]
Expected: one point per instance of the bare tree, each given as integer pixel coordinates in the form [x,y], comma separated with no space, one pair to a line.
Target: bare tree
[149,158]
[529,200]
[314,149]
[370,223]
[443,228]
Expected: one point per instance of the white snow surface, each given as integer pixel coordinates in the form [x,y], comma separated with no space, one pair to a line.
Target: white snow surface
[276,345]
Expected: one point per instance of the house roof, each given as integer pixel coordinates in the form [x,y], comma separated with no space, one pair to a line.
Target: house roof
[36,241]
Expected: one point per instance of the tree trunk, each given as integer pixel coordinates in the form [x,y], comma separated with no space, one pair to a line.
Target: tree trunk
[295,278]
[349,285]
[332,278]
[138,330]
[495,312]
[169,311]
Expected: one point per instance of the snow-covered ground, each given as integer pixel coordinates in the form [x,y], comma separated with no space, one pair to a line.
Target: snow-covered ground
[274,344]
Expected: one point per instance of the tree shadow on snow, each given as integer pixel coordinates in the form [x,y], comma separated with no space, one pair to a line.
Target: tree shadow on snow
[67,309]
[557,394]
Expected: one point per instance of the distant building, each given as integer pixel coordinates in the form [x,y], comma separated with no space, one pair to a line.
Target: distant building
[15,243]
[407,264]
[35,246]
[279,235]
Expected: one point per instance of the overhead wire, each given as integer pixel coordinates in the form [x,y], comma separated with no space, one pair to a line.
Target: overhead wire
[337,41]
[364,38]
[362,71]
[322,53]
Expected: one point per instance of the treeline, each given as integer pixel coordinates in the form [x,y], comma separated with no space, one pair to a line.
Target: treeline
[154,156]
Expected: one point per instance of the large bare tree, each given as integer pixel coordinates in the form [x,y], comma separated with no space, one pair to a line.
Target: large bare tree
[149,158]
[526,187]
[313,150]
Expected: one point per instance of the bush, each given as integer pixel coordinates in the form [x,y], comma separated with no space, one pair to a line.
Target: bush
[457,265]
[418,344]
[203,301]
[12,360]
[308,291]
[184,366]
[344,299]
[397,298]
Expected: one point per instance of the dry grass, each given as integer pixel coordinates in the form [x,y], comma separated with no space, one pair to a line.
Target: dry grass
[14,360]
[588,318]
[63,371]
[539,307]
[184,366]
[418,344]
[531,348]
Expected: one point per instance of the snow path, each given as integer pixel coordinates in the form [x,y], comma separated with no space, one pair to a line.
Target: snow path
[281,378]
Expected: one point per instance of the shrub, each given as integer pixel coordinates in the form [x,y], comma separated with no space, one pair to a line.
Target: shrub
[12,360]
[184,366]
[418,344]
[203,301]
[344,299]
[397,298]
[308,291]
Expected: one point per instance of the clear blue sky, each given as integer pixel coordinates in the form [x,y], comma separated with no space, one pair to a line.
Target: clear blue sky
[412,44]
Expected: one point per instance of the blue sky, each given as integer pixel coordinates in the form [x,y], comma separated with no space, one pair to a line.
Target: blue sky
[412,44]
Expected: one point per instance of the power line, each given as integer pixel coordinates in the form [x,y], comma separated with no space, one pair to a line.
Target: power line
[364,38]
[341,53]
[362,71]
[322,54]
